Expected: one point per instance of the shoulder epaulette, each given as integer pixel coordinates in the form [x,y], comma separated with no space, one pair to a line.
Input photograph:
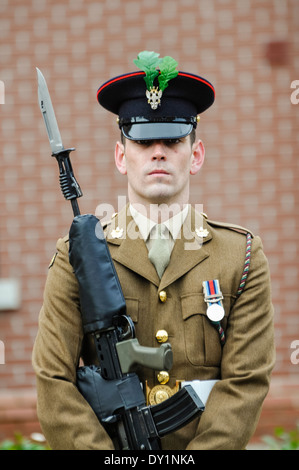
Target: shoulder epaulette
[249,235]
[236,228]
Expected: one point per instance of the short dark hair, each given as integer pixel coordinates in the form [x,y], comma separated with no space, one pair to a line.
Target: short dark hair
[192,136]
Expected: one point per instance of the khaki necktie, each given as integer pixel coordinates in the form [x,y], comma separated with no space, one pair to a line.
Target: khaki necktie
[159,253]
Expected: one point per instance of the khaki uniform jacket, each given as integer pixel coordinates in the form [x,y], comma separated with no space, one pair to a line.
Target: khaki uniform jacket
[243,364]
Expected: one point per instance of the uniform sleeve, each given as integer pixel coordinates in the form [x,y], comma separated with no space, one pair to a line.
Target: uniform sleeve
[234,405]
[66,419]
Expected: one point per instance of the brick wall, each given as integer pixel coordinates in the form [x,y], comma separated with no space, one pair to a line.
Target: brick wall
[249,50]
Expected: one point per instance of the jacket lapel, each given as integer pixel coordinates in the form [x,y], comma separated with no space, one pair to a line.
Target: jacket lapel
[189,250]
[128,248]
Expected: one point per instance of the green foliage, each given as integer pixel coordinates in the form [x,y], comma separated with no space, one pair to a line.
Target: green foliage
[283,440]
[150,63]
[168,72]
[21,443]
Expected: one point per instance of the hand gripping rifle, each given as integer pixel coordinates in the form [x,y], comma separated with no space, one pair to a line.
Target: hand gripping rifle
[112,389]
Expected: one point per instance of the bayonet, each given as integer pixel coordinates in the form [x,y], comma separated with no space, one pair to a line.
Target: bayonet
[68,183]
[47,110]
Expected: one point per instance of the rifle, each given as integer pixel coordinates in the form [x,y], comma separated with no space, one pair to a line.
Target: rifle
[112,388]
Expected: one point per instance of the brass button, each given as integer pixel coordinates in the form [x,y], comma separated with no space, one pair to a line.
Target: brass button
[159,393]
[162,296]
[163,377]
[161,336]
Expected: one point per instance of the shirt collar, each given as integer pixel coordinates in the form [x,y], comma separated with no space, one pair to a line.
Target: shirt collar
[145,225]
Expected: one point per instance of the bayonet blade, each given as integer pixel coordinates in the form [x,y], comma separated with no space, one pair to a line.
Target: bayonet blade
[47,110]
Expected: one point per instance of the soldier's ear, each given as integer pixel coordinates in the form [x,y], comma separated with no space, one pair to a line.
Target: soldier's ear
[198,156]
[120,158]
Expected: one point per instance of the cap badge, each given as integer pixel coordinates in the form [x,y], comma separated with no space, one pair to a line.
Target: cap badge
[154,96]
[153,66]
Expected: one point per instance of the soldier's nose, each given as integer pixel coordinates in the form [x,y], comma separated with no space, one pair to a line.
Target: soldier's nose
[158,152]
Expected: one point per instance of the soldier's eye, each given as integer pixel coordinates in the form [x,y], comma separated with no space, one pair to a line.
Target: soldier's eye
[172,141]
[143,142]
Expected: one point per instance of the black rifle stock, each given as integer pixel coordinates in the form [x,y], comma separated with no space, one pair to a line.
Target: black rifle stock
[112,388]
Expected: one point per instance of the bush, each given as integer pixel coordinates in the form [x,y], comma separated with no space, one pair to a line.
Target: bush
[283,440]
[36,442]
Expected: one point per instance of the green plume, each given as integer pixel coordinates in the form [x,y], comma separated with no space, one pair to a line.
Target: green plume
[168,72]
[150,63]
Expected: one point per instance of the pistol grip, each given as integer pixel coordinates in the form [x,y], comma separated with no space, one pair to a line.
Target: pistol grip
[130,353]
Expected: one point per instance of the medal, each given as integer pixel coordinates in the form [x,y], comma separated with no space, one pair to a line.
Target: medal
[213,297]
[215,311]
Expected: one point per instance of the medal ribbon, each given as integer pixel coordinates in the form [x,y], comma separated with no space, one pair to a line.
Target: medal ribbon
[213,295]
[213,289]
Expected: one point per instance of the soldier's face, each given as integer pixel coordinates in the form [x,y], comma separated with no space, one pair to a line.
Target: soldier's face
[159,171]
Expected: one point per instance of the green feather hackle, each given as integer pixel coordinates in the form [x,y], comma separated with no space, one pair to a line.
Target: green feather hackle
[152,65]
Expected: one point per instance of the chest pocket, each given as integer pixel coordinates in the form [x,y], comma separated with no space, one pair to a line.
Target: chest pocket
[202,342]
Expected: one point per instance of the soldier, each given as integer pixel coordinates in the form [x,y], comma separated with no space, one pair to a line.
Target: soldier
[205,288]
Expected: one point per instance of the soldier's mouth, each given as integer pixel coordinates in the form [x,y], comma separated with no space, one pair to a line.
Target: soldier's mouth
[159,172]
